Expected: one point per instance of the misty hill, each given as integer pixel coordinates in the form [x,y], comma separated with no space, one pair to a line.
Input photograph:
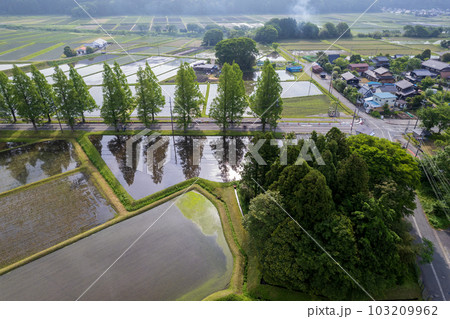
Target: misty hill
[210,7]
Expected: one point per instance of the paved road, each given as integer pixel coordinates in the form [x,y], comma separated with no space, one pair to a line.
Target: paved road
[297,127]
[435,276]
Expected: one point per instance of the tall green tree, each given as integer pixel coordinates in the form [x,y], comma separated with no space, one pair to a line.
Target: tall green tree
[343,29]
[229,105]
[66,98]
[122,79]
[7,93]
[27,99]
[212,37]
[188,97]
[267,34]
[242,50]
[5,113]
[45,91]
[116,106]
[84,100]
[149,97]
[266,103]
[429,117]
[255,171]
[388,164]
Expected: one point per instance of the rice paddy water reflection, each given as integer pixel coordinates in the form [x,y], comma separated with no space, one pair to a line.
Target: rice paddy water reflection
[140,179]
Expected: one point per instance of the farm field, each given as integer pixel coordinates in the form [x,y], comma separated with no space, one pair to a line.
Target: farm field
[42,216]
[185,256]
[367,23]
[363,46]
[305,45]
[141,181]
[47,35]
[31,163]
[373,47]
[300,107]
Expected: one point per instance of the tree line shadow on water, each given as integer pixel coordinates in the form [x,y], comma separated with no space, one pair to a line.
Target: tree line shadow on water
[182,147]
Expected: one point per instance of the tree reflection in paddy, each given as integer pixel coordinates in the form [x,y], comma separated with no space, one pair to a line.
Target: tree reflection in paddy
[31,163]
[143,176]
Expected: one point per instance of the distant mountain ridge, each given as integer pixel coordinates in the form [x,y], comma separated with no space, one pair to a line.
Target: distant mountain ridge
[210,7]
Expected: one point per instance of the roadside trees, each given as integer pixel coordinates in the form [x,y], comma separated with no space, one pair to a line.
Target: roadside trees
[7,95]
[188,97]
[65,97]
[27,99]
[266,103]
[149,95]
[117,102]
[229,106]
[84,101]
[45,91]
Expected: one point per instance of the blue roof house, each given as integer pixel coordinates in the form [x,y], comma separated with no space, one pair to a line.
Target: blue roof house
[294,68]
[378,100]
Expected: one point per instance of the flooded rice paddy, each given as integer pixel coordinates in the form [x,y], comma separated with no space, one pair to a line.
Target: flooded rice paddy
[167,90]
[182,256]
[33,162]
[37,218]
[8,145]
[290,90]
[142,175]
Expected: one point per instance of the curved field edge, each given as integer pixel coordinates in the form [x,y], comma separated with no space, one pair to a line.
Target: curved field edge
[211,190]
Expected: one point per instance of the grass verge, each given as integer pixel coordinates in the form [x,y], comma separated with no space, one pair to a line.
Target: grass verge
[428,203]
[299,107]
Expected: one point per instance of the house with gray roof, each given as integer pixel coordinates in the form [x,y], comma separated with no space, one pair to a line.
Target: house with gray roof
[416,76]
[381,61]
[350,78]
[437,67]
[405,89]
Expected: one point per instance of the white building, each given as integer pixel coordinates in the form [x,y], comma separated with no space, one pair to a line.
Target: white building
[81,50]
[378,100]
[99,44]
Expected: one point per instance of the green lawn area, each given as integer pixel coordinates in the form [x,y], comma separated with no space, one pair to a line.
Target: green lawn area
[298,107]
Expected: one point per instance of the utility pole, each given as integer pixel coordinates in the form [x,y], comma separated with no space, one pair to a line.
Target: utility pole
[409,140]
[310,83]
[171,118]
[173,133]
[420,145]
[416,123]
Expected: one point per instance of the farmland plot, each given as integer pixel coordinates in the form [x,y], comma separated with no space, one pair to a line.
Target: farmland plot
[4,67]
[20,53]
[42,216]
[31,163]
[185,256]
[143,179]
